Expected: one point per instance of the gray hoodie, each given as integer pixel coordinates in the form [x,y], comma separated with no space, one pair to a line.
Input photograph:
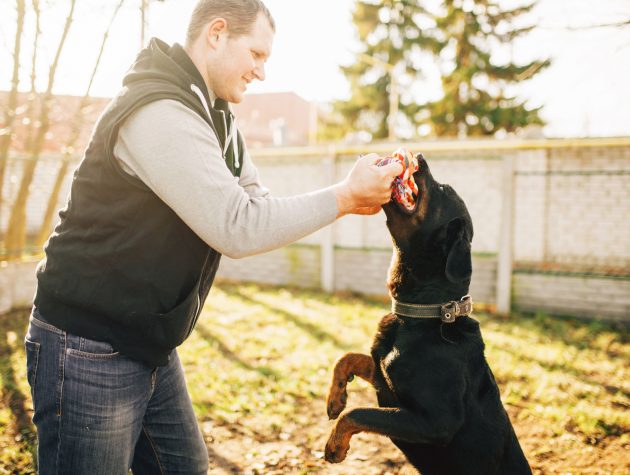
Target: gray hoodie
[176,154]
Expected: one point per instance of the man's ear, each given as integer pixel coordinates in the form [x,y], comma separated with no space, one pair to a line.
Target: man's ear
[214,30]
[459,259]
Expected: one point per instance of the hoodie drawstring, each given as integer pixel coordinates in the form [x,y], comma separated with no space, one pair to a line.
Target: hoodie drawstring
[194,88]
[233,130]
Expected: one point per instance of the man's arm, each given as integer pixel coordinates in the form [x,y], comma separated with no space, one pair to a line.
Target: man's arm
[249,179]
[172,150]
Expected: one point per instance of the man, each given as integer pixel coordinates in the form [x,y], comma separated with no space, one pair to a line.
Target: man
[166,186]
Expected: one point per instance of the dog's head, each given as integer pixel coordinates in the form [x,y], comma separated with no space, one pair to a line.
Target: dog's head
[432,256]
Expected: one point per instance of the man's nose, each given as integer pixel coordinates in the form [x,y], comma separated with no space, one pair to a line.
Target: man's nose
[259,72]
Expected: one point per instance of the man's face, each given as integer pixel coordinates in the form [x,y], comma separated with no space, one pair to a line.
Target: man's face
[241,60]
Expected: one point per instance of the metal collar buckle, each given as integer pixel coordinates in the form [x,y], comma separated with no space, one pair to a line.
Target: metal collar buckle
[451,310]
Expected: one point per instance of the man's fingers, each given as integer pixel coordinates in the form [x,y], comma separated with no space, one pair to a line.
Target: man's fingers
[370,158]
[367,186]
[392,169]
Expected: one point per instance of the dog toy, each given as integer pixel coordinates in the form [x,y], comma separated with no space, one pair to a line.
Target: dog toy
[404,188]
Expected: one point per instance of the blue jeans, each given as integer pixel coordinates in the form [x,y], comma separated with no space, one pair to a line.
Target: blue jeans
[99,412]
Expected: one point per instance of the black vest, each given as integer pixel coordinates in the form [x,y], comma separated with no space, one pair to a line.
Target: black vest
[121,266]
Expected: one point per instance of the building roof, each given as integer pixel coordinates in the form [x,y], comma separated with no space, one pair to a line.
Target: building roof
[277,118]
[281,118]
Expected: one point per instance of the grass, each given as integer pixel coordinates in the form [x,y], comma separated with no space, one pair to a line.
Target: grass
[258,364]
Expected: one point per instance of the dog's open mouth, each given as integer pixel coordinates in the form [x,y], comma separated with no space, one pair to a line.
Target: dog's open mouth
[404,188]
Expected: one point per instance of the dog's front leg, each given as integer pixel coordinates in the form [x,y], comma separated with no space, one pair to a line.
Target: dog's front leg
[346,368]
[397,423]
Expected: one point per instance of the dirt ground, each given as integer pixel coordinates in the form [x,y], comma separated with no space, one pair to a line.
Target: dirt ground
[241,449]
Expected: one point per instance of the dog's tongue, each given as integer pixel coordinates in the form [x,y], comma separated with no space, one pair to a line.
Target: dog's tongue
[404,188]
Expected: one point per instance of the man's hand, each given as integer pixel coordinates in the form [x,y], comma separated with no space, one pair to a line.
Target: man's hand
[366,187]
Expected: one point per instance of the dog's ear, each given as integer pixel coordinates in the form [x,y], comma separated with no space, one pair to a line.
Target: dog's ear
[458,260]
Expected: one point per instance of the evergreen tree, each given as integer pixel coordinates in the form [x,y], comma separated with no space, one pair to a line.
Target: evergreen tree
[475,100]
[391,35]
[460,35]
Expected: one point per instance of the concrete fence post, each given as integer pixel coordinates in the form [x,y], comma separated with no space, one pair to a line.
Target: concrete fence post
[506,238]
[327,263]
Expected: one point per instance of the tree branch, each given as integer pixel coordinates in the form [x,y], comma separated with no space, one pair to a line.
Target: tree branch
[74,136]
[10,113]
[619,24]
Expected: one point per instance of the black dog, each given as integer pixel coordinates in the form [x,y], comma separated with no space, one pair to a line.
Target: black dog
[439,402]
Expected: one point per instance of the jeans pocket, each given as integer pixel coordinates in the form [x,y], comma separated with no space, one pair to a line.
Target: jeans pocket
[32,360]
[92,349]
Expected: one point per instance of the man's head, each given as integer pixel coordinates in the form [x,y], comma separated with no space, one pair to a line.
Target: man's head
[229,41]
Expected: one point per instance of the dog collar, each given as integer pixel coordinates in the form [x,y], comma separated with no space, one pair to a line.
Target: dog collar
[447,312]
[404,188]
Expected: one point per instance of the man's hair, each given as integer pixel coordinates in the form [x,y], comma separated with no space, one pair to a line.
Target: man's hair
[239,14]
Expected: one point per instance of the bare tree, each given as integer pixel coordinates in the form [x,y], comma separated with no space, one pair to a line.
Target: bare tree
[32,96]
[72,139]
[619,24]
[10,112]
[143,21]
[16,233]
[144,8]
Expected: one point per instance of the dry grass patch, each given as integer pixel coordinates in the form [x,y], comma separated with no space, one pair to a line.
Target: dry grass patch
[258,366]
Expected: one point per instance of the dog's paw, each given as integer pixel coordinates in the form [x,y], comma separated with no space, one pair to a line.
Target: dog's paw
[335,452]
[336,402]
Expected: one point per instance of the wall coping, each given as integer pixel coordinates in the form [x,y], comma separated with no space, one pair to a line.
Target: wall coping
[441,146]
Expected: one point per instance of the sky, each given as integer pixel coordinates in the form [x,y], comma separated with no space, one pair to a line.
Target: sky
[586,91]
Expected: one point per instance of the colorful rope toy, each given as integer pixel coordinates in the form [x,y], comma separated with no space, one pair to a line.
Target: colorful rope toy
[404,188]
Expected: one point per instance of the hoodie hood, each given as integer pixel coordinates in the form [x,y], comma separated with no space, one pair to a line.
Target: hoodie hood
[161,71]
[161,62]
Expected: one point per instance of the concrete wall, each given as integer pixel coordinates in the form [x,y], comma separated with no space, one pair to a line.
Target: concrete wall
[365,271]
[357,270]
[576,295]
[17,284]
[571,206]
[569,236]
[297,265]
[569,221]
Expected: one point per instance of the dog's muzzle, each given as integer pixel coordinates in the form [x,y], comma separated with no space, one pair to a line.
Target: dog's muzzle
[404,188]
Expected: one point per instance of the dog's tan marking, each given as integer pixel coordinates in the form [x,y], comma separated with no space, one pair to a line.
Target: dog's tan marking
[385,364]
[348,425]
[346,367]
[339,440]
